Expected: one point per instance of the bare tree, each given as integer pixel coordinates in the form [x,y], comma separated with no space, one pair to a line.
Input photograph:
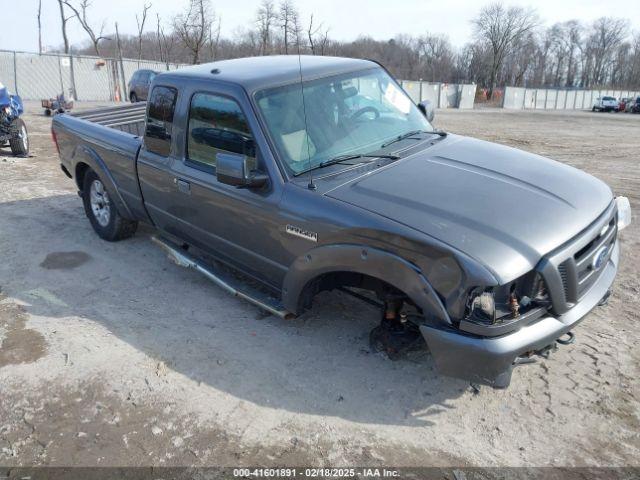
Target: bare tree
[64,19]
[194,26]
[500,27]
[140,22]
[81,15]
[574,37]
[289,23]
[311,34]
[39,27]
[159,38]
[317,41]
[265,18]
[608,34]
[214,38]
[166,42]
[435,56]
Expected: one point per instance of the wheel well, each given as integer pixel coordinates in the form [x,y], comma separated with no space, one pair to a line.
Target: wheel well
[345,279]
[81,171]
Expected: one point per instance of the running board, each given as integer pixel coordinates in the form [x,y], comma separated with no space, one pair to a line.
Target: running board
[181,258]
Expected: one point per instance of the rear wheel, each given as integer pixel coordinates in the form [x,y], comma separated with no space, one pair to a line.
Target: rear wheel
[102,211]
[19,141]
[133,97]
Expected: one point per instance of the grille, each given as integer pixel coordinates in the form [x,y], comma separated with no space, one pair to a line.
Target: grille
[570,271]
[564,276]
[601,247]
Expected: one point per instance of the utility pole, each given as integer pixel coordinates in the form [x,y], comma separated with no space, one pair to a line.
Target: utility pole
[124,82]
[39,27]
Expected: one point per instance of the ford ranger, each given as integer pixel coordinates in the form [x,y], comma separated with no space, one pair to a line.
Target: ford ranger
[280,177]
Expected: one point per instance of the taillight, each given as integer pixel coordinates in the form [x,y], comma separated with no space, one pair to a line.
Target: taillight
[55,139]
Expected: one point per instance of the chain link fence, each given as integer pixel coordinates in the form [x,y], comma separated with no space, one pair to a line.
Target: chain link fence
[38,76]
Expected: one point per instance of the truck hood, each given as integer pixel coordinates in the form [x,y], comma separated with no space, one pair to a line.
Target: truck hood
[503,207]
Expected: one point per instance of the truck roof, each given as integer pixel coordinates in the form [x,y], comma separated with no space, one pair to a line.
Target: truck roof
[255,73]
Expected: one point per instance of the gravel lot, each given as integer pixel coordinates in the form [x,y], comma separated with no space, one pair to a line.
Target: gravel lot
[112,355]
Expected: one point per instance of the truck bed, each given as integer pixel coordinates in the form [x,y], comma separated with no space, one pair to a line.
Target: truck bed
[108,140]
[126,118]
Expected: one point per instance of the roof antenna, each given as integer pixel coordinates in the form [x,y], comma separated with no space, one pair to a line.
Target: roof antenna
[311,185]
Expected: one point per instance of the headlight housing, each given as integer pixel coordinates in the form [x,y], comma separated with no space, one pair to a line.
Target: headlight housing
[624,212]
[493,305]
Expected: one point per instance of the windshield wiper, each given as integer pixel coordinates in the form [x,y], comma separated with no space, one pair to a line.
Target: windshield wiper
[411,134]
[343,158]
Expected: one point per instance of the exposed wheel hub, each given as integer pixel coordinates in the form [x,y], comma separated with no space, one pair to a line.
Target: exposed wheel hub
[395,335]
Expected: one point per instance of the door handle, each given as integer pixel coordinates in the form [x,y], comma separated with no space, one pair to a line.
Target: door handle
[183,185]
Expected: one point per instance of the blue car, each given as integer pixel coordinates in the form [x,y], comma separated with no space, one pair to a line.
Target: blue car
[12,127]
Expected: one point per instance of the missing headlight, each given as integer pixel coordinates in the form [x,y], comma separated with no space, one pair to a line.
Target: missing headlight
[507,302]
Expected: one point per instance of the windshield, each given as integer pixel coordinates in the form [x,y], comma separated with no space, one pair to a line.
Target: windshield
[348,114]
[609,98]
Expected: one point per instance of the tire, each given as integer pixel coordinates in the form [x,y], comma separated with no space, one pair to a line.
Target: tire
[102,212]
[20,141]
[133,97]
[593,109]
[47,112]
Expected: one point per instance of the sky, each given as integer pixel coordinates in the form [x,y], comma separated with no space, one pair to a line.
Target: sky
[346,19]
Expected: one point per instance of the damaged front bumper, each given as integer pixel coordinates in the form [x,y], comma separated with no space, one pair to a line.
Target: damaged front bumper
[490,361]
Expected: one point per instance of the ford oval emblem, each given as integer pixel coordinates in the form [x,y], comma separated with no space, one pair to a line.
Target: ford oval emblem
[599,257]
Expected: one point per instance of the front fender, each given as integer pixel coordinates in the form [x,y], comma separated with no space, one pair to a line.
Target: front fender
[374,262]
[83,154]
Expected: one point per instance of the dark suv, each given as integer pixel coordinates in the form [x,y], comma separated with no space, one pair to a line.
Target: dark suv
[139,85]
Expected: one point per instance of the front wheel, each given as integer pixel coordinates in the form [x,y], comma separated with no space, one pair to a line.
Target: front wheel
[102,211]
[19,141]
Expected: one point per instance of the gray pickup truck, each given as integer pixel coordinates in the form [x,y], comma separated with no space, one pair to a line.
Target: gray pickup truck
[280,177]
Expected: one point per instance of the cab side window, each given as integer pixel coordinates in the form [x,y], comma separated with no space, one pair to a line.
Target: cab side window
[217,124]
[162,104]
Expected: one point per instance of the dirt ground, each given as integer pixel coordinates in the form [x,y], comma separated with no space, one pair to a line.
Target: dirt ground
[111,355]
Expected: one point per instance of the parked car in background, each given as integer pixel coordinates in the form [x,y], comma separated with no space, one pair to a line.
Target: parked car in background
[622,104]
[633,106]
[605,104]
[139,85]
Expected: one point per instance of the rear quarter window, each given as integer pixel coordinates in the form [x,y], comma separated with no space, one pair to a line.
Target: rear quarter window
[162,104]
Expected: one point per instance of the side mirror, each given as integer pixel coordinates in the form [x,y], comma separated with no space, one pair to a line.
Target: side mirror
[426,107]
[233,169]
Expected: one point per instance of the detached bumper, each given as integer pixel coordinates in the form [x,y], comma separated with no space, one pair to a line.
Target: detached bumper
[490,361]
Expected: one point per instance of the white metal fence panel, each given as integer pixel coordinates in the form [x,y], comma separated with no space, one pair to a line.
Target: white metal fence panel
[7,70]
[550,98]
[569,99]
[93,79]
[513,98]
[529,98]
[412,89]
[558,99]
[443,98]
[38,76]
[431,92]
[467,96]
[561,98]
